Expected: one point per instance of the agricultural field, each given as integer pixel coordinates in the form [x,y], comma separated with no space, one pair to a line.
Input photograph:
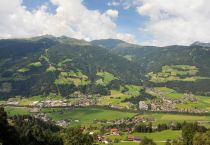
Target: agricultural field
[35,64]
[66,78]
[184,73]
[2,102]
[27,101]
[131,90]
[16,111]
[23,70]
[158,137]
[105,78]
[86,115]
[117,97]
[51,69]
[126,143]
[169,118]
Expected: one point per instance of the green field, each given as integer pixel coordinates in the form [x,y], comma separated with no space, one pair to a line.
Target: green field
[23,70]
[86,115]
[132,90]
[35,64]
[105,78]
[126,143]
[2,102]
[73,77]
[176,73]
[169,118]
[158,137]
[16,111]
[117,97]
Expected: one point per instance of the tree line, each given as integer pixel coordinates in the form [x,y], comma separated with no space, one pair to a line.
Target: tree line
[27,130]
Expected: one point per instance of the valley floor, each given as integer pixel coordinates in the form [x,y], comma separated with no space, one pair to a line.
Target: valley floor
[95,118]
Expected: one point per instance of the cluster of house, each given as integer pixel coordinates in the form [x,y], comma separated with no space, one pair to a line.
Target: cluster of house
[83,102]
[127,121]
[170,105]
[42,116]
[66,122]
[162,104]
[134,120]
[104,139]
[128,106]
[50,103]
[13,103]
[143,105]
[62,123]
[116,131]
[134,138]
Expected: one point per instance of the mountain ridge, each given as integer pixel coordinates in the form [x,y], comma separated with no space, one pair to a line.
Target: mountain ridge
[41,65]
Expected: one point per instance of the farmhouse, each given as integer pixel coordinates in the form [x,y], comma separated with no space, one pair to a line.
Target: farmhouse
[115,131]
[128,130]
[100,138]
[107,141]
[134,138]
[143,105]
[62,123]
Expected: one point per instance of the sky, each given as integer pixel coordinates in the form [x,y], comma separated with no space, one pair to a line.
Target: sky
[144,22]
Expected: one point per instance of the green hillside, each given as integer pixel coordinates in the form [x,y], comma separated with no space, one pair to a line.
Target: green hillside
[156,63]
[61,65]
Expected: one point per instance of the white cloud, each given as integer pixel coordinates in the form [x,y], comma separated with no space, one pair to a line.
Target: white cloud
[173,21]
[112,13]
[113,3]
[71,18]
[176,22]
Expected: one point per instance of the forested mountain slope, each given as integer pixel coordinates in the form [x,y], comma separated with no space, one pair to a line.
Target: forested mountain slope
[61,65]
[178,59]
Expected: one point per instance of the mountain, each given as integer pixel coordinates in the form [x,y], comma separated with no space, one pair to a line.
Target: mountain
[112,43]
[197,43]
[156,59]
[61,65]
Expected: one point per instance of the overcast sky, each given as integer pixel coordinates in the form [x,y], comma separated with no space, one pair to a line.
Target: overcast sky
[146,22]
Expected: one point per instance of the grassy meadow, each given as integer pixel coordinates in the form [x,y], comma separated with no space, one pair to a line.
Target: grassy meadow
[77,78]
[16,111]
[169,118]
[105,78]
[117,97]
[158,137]
[86,115]
[184,73]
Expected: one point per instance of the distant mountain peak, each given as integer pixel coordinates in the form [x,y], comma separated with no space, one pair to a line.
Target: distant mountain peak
[61,39]
[112,43]
[198,43]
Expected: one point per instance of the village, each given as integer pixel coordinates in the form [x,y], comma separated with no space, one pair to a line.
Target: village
[166,104]
[106,131]
[160,104]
